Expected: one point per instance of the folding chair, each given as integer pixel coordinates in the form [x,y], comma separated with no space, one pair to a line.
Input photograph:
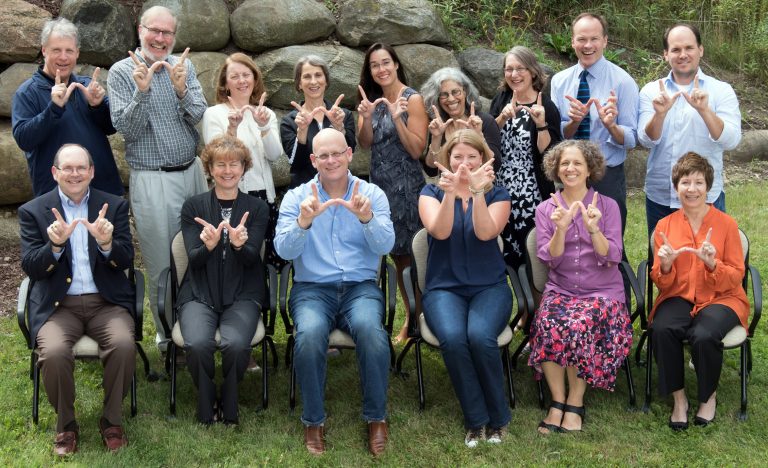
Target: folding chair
[86,347]
[414,277]
[533,276]
[338,339]
[739,337]
[167,296]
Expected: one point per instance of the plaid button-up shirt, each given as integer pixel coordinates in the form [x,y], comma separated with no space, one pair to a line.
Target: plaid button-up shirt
[158,127]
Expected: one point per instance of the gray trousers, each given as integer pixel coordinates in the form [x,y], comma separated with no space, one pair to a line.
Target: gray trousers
[156,200]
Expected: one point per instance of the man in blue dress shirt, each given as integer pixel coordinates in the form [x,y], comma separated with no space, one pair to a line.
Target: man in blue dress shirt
[685,111]
[335,228]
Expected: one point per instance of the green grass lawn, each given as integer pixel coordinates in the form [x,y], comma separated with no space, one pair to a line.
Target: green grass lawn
[613,434]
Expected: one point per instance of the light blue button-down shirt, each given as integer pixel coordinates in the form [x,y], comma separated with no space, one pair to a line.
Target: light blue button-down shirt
[82,277]
[603,77]
[684,130]
[337,247]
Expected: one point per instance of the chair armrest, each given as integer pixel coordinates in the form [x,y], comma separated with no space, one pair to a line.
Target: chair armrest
[285,275]
[629,273]
[163,286]
[517,290]
[21,310]
[525,285]
[272,283]
[391,295]
[642,274]
[138,281]
[757,298]
[409,281]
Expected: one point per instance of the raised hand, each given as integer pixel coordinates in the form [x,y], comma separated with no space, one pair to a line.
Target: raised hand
[562,216]
[591,215]
[437,126]
[238,236]
[472,122]
[210,234]
[335,114]
[59,231]
[60,92]
[664,102]
[311,207]
[482,176]
[259,113]
[142,74]
[449,182]
[699,98]
[667,254]
[537,112]
[303,118]
[578,110]
[234,117]
[510,110]
[398,107]
[366,107]
[94,92]
[706,251]
[101,229]
[358,204]
[178,73]
[609,112]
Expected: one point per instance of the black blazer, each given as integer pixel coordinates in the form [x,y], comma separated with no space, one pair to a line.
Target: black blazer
[51,278]
[240,276]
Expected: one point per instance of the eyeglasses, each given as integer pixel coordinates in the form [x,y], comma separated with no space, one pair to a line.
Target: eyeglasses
[69,170]
[160,32]
[456,92]
[519,70]
[334,155]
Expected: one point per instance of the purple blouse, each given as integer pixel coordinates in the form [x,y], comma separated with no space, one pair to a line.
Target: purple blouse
[580,271]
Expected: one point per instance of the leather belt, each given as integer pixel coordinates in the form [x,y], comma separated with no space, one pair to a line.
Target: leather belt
[182,167]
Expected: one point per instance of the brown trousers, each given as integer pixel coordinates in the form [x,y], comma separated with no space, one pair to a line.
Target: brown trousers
[112,327]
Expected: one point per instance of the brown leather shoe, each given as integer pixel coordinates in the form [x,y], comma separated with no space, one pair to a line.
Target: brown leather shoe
[314,439]
[113,437]
[65,443]
[378,433]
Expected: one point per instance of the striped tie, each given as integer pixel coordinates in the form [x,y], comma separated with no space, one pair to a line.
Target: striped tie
[582,133]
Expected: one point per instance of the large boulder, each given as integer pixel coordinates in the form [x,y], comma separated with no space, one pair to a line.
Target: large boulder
[10,80]
[14,175]
[203,25]
[344,67]
[258,25]
[753,145]
[634,167]
[484,67]
[207,66]
[20,26]
[421,60]
[105,28]
[364,22]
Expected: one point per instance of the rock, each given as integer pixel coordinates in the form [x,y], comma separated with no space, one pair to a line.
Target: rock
[14,175]
[344,67]
[20,26]
[203,25]
[10,80]
[364,22]
[421,60]
[105,28]
[634,167]
[258,25]
[753,145]
[207,66]
[117,143]
[484,67]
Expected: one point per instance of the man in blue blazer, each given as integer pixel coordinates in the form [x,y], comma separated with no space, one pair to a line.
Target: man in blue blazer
[76,244]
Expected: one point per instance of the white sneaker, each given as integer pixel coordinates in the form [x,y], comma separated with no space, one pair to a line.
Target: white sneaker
[474,436]
[495,436]
[252,366]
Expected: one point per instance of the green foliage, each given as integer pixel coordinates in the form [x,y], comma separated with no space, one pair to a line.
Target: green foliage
[561,43]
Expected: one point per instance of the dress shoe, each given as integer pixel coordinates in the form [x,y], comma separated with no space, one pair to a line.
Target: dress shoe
[314,439]
[677,426]
[701,422]
[378,433]
[65,443]
[112,436]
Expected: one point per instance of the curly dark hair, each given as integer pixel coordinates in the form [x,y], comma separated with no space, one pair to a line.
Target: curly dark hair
[226,147]
[692,163]
[592,155]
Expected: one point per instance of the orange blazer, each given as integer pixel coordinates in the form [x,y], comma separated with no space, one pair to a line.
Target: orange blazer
[689,278]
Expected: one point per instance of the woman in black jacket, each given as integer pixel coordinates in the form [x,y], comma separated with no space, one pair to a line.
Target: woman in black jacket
[224,285]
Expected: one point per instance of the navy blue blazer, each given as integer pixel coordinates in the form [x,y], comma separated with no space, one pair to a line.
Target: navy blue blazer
[51,278]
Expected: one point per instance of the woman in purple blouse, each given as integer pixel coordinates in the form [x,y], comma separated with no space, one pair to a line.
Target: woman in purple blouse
[582,330]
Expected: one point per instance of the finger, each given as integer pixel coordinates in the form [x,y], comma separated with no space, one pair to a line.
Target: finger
[441,167]
[514,103]
[203,223]
[664,239]
[157,65]
[486,164]
[572,99]
[315,193]
[676,95]
[356,187]
[381,99]
[319,110]
[472,109]
[556,200]
[436,114]
[245,217]
[448,122]
[295,106]
[80,86]
[400,93]
[597,104]
[338,100]
[709,235]
[184,56]
[538,99]
[261,99]
[57,215]
[613,95]
[696,81]
[362,93]
[103,211]
[95,76]
[662,89]
[134,58]
[594,199]
[58,77]
[72,225]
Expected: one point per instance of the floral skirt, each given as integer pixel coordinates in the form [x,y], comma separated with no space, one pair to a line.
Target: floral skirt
[592,334]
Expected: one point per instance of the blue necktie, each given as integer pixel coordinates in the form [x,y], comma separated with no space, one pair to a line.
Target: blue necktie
[582,133]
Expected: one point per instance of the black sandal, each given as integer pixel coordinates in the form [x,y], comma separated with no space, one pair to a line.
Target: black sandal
[579,410]
[552,427]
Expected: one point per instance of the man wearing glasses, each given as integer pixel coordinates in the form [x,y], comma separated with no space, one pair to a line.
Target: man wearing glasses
[56,106]
[335,228]
[75,244]
[156,103]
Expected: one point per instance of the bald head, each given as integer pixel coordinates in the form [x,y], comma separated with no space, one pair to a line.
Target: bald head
[328,136]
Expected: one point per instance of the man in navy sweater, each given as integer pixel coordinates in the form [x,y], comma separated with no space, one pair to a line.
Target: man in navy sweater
[56,107]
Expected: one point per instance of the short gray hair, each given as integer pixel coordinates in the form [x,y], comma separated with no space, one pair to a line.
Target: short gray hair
[430,90]
[59,27]
[152,11]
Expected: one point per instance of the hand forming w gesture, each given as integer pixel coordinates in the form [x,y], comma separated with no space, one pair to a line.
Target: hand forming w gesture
[60,92]
[482,176]
[142,74]
[358,204]
[608,112]
[698,98]
[472,122]
[101,229]
[538,114]
[59,230]
[238,236]
[667,254]
[563,216]
[448,182]
[210,235]
[664,102]
[437,126]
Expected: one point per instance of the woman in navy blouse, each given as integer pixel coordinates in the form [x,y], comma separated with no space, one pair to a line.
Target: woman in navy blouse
[467,301]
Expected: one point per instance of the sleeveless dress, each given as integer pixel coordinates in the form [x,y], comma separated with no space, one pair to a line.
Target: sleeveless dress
[397,174]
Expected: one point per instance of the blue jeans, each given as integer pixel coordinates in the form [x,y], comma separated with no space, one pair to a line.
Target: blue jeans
[355,308]
[654,212]
[467,326]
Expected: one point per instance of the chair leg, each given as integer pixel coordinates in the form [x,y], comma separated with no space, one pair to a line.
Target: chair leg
[648,371]
[289,352]
[518,351]
[749,357]
[744,365]
[630,384]
[35,390]
[391,355]
[420,375]
[292,391]
[149,374]
[134,405]
[639,349]
[510,383]
[540,391]
[273,350]
[264,375]
[172,355]
[399,365]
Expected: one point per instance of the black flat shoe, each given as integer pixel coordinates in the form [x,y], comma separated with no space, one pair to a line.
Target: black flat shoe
[701,422]
[678,426]
[552,427]
[579,410]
